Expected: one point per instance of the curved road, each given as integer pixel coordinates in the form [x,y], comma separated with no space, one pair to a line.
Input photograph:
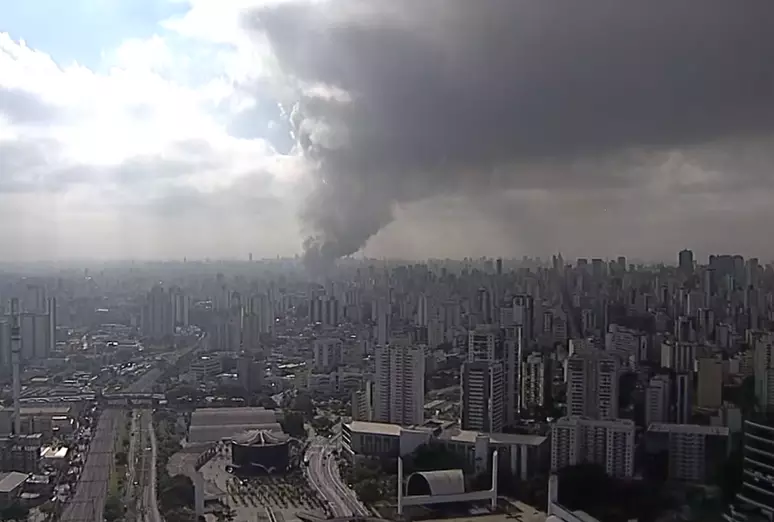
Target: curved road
[323,474]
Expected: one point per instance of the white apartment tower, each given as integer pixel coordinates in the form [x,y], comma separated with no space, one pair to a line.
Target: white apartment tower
[399,390]
[486,382]
[592,386]
[608,443]
[482,396]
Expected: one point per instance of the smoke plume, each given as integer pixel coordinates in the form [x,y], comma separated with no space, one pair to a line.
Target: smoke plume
[402,100]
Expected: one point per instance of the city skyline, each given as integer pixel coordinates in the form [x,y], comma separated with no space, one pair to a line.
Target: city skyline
[188,128]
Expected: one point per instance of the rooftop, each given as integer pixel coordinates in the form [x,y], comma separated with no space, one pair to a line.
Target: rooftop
[689,429]
[9,482]
[375,428]
[213,424]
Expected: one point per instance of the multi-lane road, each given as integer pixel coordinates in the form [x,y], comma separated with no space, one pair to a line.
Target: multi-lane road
[323,473]
[88,503]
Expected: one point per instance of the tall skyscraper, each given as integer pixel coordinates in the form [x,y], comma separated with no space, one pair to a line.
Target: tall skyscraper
[157,318]
[486,389]
[399,389]
[685,262]
[709,388]
[483,384]
[535,381]
[683,397]
[657,400]
[592,385]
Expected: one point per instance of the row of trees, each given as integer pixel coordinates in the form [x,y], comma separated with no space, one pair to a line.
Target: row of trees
[175,494]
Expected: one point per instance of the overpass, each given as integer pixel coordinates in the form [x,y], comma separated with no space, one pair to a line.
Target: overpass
[104,400]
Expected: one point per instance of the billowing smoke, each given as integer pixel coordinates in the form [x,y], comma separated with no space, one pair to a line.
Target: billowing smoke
[401,100]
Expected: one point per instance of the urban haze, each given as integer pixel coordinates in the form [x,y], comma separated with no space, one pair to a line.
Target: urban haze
[306,260]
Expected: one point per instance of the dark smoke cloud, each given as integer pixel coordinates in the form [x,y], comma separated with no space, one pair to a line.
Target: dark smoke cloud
[426,97]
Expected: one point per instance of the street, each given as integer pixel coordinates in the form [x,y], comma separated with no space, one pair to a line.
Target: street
[323,473]
[88,503]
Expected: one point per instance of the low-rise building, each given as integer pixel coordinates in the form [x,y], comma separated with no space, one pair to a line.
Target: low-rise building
[11,486]
[524,455]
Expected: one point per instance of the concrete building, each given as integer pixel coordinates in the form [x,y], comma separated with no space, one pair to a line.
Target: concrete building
[683,398]
[205,367]
[709,388]
[157,319]
[328,353]
[608,443]
[524,455]
[592,385]
[763,370]
[11,484]
[250,373]
[755,496]
[657,400]
[482,394]
[694,452]
[399,390]
[535,381]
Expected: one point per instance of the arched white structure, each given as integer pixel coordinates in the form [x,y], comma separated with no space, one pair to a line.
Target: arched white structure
[445,486]
[443,482]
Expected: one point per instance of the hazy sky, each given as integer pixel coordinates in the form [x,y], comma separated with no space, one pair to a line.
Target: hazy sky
[171,128]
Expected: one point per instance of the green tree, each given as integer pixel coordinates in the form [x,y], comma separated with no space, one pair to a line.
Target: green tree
[293,424]
[368,491]
[114,509]
[121,458]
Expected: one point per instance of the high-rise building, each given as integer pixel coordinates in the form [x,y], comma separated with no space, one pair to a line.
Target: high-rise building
[157,314]
[683,398]
[328,354]
[535,381]
[608,443]
[694,452]
[763,368]
[524,315]
[482,393]
[592,385]
[35,336]
[755,500]
[324,310]
[685,262]
[399,389]
[181,307]
[657,404]
[709,388]
[250,373]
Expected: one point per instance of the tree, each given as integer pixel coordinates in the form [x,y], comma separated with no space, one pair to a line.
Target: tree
[121,458]
[114,509]
[293,424]
[303,403]
[15,512]
[368,491]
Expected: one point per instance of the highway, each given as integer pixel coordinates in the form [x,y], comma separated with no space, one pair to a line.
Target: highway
[88,503]
[323,473]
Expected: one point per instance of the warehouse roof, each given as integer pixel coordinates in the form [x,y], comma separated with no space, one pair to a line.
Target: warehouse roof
[214,424]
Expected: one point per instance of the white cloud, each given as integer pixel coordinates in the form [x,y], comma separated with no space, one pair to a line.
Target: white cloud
[123,162]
